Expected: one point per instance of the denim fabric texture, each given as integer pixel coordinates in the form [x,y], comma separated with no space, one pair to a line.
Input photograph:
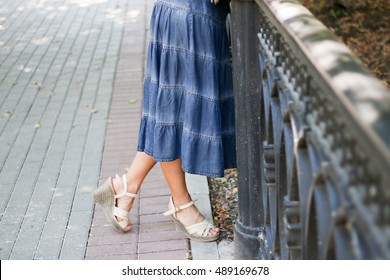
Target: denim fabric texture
[188,106]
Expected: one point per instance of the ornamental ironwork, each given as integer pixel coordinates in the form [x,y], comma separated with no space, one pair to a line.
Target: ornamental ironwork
[313,140]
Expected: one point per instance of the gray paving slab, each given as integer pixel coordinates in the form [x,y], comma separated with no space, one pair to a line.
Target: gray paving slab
[198,188]
[57,65]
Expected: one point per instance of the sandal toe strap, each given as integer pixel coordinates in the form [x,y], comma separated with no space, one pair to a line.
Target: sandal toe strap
[200,229]
[124,215]
[123,224]
[120,213]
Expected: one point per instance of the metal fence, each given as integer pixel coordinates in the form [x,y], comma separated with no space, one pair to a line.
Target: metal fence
[313,140]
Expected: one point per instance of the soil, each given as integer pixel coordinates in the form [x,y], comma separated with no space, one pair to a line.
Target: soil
[224,203]
[365,31]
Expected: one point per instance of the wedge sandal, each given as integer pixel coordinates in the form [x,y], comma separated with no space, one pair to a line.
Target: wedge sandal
[105,196]
[197,232]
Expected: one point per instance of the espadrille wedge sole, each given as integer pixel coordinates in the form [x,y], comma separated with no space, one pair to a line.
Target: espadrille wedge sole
[106,198]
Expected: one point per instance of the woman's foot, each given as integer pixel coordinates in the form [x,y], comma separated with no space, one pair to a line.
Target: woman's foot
[191,216]
[124,202]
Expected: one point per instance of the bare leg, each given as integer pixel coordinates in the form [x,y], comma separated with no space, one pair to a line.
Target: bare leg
[136,174]
[176,180]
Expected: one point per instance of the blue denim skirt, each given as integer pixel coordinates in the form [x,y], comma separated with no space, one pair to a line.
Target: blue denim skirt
[188,106]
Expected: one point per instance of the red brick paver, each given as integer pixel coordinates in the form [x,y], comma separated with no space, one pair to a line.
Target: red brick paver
[153,236]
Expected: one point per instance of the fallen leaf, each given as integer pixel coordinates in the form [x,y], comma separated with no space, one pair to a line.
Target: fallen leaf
[188,256]
[132,101]
[223,180]
[94,111]
[37,84]
[8,112]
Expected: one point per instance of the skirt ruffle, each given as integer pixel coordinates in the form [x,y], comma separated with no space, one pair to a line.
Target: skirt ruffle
[188,106]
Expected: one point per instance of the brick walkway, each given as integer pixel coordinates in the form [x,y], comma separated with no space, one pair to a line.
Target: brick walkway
[62,67]
[153,236]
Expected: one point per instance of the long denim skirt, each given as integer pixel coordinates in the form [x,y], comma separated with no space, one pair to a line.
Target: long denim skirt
[188,106]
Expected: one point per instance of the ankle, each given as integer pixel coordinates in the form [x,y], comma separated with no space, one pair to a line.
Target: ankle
[132,188]
[132,184]
[179,201]
[119,185]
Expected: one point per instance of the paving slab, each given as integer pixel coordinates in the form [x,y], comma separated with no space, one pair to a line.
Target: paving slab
[58,64]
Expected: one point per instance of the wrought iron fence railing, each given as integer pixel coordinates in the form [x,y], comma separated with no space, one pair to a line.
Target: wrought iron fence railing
[313,140]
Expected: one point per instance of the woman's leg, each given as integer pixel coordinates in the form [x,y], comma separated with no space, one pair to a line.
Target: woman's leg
[175,177]
[136,174]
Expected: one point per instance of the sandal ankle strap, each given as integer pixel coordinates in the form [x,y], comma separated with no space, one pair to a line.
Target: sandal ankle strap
[177,208]
[124,192]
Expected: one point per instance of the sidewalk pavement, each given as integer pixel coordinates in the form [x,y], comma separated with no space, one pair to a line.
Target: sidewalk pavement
[71,75]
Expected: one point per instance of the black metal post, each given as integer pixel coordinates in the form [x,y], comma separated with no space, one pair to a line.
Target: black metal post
[247,85]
